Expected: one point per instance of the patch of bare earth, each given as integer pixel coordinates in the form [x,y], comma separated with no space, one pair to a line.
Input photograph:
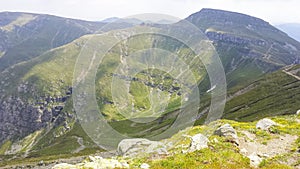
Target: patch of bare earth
[278,145]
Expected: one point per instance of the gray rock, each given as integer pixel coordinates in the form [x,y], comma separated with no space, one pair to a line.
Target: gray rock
[265,124]
[145,166]
[199,141]
[255,160]
[243,151]
[99,163]
[230,38]
[64,166]
[140,147]
[298,112]
[20,117]
[228,132]
[95,162]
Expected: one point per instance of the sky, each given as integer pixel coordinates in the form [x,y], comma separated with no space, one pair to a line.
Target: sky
[273,11]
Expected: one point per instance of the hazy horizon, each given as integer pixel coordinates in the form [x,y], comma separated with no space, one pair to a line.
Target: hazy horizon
[273,11]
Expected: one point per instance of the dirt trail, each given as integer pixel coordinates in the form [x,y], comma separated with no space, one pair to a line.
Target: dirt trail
[273,147]
[291,74]
[80,142]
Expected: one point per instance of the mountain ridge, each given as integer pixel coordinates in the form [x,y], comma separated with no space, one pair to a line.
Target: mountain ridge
[42,86]
[292,29]
[40,33]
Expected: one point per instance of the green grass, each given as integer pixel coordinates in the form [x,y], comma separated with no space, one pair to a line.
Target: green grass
[221,153]
[218,156]
[5,146]
[51,74]
[65,144]
[133,129]
[274,94]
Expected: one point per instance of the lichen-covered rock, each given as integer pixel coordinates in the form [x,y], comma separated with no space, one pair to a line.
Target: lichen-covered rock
[140,147]
[265,124]
[199,141]
[229,132]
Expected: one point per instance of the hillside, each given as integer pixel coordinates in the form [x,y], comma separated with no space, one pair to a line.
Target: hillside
[248,46]
[221,144]
[44,86]
[37,118]
[273,94]
[24,36]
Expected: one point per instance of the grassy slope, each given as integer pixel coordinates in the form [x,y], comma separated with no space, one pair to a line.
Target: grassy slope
[219,154]
[268,85]
[51,74]
[274,94]
[61,62]
[222,154]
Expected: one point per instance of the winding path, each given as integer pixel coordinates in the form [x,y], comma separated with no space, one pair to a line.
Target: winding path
[80,142]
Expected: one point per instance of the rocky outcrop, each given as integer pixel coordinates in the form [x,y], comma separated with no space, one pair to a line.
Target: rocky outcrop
[19,118]
[199,141]
[265,124]
[140,147]
[254,150]
[231,38]
[228,132]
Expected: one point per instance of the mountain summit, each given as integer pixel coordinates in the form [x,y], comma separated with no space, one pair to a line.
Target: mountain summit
[248,46]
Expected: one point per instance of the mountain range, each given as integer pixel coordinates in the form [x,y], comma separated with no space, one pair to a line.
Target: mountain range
[38,54]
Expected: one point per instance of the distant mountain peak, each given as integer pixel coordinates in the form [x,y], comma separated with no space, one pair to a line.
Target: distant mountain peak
[227,16]
[111,19]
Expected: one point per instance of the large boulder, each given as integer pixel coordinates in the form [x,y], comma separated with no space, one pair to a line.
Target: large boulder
[199,141]
[228,132]
[265,124]
[140,147]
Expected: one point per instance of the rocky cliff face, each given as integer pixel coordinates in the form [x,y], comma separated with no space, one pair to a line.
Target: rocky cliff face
[19,117]
[246,44]
[245,31]
[231,38]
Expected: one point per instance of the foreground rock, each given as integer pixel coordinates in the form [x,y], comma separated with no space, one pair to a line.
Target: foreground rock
[253,149]
[228,132]
[95,163]
[265,124]
[145,166]
[199,141]
[64,166]
[255,160]
[140,147]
